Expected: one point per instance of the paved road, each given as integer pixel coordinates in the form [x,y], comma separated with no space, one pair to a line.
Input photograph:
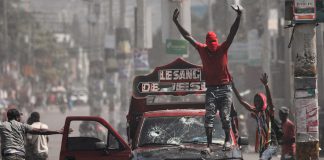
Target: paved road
[55,120]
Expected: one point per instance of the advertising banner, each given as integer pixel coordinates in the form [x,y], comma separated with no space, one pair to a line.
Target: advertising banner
[304,11]
[176,78]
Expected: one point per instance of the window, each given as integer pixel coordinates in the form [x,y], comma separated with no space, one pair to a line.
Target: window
[113,143]
[86,134]
[177,130]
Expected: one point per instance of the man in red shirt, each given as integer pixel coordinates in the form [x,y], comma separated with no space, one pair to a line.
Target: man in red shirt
[288,146]
[214,60]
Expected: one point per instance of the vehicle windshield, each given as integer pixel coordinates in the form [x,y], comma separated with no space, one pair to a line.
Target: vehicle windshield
[178,130]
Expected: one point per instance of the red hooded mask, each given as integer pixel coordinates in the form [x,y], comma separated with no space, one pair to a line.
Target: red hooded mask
[264,99]
[211,41]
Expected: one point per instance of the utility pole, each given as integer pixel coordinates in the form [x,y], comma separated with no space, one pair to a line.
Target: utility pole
[5,32]
[111,18]
[125,63]
[288,76]
[89,12]
[169,29]
[122,10]
[210,15]
[266,55]
[306,98]
[111,66]
[96,68]
[320,60]
[283,50]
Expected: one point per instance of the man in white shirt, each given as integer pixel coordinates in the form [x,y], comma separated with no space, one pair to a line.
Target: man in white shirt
[37,145]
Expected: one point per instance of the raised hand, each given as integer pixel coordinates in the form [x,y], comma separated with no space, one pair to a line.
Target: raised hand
[237,9]
[176,15]
[264,79]
[70,130]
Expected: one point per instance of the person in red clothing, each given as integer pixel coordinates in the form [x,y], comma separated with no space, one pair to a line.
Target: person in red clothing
[218,79]
[262,110]
[288,146]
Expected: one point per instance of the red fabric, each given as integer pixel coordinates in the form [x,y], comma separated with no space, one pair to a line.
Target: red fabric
[263,134]
[288,129]
[264,99]
[212,41]
[214,64]
[262,138]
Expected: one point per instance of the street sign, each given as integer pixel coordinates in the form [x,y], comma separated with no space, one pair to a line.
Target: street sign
[304,11]
[176,46]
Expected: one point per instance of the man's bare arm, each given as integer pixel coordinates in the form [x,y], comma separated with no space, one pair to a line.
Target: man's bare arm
[37,131]
[264,80]
[186,35]
[241,100]
[234,28]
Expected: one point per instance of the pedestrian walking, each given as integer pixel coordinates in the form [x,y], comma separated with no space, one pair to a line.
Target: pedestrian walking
[263,112]
[288,146]
[214,59]
[13,134]
[36,145]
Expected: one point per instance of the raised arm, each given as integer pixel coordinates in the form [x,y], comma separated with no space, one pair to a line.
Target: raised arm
[186,35]
[44,131]
[264,80]
[241,100]
[234,27]
[38,131]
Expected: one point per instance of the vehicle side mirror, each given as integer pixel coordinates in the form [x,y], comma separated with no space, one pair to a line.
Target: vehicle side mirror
[243,141]
[101,146]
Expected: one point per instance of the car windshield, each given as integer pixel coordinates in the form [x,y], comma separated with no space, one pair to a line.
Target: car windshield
[178,130]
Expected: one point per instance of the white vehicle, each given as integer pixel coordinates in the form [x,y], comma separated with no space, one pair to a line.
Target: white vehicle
[79,97]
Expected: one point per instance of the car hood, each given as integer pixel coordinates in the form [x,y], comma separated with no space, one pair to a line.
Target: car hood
[184,152]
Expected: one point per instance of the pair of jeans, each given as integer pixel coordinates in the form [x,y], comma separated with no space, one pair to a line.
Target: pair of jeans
[218,98]
[269,152]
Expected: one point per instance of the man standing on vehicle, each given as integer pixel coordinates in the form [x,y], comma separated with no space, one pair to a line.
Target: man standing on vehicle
[13,134]
[218,79]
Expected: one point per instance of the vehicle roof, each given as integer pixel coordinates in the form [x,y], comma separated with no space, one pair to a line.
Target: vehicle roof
[175,112]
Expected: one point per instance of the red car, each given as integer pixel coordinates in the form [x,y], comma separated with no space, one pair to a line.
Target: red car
[165,121]
[94,139]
